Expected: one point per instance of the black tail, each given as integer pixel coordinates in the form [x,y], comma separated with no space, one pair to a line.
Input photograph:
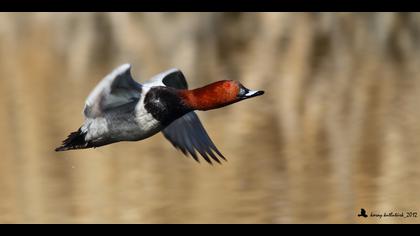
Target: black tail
[75,140]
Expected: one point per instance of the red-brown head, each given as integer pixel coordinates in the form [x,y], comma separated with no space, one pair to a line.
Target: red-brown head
[216,95]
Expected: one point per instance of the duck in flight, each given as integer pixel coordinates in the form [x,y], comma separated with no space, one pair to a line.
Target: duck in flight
[120,109]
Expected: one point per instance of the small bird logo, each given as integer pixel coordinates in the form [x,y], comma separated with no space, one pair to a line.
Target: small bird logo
[362,213]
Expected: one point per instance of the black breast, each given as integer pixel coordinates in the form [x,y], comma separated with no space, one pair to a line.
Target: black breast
[164,104]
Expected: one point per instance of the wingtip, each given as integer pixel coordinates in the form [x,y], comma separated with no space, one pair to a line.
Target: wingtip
[221,155]
[194,156]
[126,65]
[123,68]
[173,69]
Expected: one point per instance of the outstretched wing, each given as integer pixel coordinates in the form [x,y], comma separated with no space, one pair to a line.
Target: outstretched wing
[186,133]
[116,89]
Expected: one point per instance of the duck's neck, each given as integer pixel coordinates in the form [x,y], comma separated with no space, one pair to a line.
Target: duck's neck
[209,97]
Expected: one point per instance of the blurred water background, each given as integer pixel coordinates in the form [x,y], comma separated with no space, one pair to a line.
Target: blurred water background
[337,130]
